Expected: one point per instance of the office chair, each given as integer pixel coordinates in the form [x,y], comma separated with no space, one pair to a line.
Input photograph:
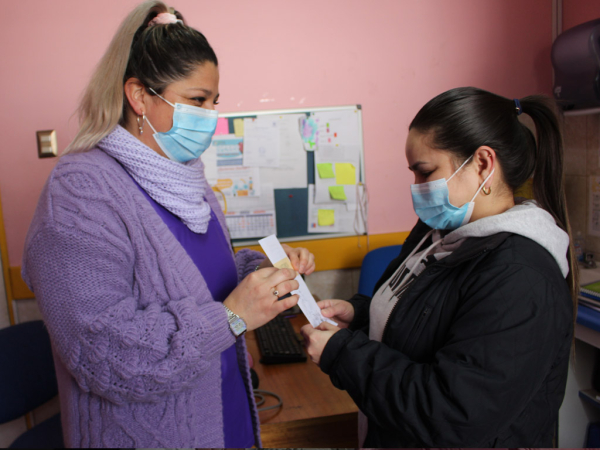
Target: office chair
[27,381]
[373,266]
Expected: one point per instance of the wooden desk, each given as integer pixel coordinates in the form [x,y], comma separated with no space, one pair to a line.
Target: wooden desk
[314,412]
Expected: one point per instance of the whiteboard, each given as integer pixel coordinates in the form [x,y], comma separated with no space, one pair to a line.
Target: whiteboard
[291,205]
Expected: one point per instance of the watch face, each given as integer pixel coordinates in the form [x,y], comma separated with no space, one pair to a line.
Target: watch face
[238,326]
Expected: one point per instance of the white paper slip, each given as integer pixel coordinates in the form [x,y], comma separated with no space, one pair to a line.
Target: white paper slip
[307,303]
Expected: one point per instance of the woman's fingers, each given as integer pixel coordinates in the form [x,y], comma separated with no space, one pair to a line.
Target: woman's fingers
[303,256]
[279,276]
[294,257]
[306,331]
[286,287]
[255,299]
[316,339]
[326,326]
[310,266]
[264,272]
[286,303]
[340,311]
[330,308]
[302,260]
[328,312]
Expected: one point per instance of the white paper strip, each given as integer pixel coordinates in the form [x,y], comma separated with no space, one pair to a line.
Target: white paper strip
[307,303]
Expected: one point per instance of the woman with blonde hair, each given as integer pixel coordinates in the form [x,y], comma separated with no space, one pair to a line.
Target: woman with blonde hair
[130,260]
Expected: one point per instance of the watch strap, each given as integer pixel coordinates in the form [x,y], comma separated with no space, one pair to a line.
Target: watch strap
[236,323]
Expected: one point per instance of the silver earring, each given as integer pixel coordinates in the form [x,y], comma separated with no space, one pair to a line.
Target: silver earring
[141,125]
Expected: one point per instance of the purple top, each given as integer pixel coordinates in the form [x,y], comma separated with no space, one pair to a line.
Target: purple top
[220,273]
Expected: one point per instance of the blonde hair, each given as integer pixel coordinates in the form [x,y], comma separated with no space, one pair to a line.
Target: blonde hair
[101,107]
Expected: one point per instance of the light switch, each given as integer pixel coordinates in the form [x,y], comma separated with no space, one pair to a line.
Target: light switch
[47,146]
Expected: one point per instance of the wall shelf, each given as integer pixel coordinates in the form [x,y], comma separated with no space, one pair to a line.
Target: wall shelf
[591,396]
[581,112]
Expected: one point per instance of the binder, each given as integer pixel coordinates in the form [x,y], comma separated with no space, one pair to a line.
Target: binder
[591,291]
[589,294]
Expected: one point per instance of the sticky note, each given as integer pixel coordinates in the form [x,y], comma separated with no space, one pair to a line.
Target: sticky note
[238,127]
[222,126]
[337,192]
[345,173]
[325,170]
[326,217]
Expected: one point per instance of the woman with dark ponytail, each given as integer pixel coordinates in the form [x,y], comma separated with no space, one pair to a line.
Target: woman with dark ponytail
[130,259]
[465,341]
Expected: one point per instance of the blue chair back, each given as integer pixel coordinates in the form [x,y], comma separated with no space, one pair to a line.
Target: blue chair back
[27,381]
[27,376]
[373,266]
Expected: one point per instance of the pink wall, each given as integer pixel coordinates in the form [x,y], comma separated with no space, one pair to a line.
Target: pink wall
[390,56]
[576,12]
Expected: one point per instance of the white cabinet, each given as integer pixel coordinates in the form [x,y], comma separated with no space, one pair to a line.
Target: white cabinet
[576,413]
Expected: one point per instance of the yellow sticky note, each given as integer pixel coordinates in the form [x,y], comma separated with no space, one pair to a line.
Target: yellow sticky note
[238,127]
[325,170]
[345,173]
[285,263]
[337,192]
[326,217]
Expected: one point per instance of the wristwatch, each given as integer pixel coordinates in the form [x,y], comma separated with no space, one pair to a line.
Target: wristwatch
[236,323]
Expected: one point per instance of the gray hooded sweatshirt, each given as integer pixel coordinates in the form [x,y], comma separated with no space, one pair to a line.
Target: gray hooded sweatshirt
[526,219]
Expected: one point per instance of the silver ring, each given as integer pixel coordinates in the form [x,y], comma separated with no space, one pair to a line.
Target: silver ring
[275,292]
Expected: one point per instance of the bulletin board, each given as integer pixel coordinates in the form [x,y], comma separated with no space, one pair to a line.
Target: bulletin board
[325,132]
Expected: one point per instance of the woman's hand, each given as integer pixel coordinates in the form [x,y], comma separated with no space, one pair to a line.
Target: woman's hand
[339,311]
[302,260]
[255,299]
[316,339]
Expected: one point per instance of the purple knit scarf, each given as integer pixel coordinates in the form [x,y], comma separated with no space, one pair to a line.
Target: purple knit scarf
[177,187]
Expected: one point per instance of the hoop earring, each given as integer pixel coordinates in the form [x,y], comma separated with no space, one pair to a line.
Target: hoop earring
[488,192]
[141,126]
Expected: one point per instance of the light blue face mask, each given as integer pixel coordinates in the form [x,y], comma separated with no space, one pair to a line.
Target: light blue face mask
[431,202]
[191,134]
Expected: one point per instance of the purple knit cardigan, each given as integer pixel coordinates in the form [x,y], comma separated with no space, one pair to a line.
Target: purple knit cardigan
[135,332]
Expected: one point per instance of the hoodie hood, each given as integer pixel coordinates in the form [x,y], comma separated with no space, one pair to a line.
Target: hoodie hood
[526,219]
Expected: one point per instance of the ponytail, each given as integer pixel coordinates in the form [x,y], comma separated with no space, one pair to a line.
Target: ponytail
[548,175]
[102,103]
[463,119]
[157,55]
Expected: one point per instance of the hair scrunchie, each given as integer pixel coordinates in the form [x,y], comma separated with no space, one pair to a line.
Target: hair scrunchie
[518,106]
[164,19]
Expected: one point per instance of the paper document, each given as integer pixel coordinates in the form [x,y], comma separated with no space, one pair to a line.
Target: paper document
[292,170]
[225,150]
[261,142]
[307,303]
[236,181]
[252,217]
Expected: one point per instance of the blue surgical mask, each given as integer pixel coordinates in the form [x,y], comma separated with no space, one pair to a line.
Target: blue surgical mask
[191,134]
[431,202]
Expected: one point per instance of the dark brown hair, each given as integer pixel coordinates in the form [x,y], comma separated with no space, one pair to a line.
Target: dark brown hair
[157,55]
[463,119]
[162,54]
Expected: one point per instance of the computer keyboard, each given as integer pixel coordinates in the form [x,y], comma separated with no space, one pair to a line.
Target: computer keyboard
[278,343]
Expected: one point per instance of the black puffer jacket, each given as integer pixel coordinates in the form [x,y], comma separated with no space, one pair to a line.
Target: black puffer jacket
[475,353]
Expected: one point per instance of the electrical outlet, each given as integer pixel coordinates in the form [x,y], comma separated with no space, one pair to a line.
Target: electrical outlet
[47,146]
